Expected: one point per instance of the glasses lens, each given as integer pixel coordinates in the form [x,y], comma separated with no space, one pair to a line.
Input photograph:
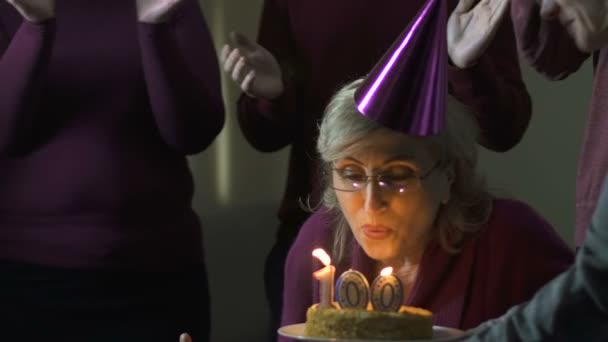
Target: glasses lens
[345,180]
[398,185]
[348,181]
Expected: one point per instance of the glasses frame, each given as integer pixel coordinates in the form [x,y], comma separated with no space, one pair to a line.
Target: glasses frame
[377,179]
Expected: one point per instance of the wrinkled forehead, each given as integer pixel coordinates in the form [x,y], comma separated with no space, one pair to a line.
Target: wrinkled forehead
[384,145]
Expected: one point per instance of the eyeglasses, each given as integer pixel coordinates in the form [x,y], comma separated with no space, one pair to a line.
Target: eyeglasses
[353,181]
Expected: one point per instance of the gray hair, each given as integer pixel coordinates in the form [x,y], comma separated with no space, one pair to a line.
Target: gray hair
[470,203]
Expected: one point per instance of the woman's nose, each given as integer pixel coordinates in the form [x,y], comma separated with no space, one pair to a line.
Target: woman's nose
[374,198]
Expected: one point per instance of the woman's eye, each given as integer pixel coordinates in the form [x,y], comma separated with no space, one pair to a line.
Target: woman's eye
[354,176]
[398,173]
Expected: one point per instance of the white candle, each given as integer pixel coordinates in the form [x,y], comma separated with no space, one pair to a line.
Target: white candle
[326,279]
[387,291]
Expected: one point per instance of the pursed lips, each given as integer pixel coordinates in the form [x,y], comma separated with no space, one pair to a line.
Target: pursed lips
[376,232]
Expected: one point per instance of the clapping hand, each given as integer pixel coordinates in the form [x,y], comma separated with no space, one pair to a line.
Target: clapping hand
[252,67]
[471,28]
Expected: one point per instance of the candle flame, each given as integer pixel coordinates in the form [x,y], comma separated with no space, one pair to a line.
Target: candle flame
[386,271]
[320,254]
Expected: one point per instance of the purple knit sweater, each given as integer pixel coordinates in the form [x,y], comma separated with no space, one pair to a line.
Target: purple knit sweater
[97,114]
[511,257]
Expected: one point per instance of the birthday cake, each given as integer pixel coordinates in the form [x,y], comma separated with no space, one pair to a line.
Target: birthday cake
[406,323]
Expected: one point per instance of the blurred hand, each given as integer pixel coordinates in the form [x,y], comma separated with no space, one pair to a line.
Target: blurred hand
[548,9]
[185,338]
[252,67]
[155,11]
[34,10]
[472,27]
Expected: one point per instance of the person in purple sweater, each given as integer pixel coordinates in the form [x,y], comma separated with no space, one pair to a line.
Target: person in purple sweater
[417,204]
[308,49]
[555,45]
[100,103]
[573,306]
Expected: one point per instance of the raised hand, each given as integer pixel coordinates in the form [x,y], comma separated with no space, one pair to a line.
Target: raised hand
[471,28]
[34,10]
[155,11]
[549,9]
[252,67]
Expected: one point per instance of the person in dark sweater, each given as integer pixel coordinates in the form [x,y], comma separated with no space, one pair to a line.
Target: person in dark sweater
[573,306]
[556,45]
[308,49]
[100,103]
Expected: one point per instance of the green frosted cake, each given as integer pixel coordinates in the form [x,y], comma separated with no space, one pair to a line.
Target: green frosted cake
[407,323]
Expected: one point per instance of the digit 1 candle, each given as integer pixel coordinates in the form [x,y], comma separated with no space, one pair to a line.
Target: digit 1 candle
[326,279]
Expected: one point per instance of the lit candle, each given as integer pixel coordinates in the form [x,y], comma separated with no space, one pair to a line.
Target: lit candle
[326,279]
[352,289]
[387,291]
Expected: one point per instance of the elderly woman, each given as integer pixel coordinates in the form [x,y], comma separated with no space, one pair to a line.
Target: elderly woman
[418,205]
[299,63]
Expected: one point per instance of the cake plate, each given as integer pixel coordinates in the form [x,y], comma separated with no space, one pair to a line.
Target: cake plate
[296,332]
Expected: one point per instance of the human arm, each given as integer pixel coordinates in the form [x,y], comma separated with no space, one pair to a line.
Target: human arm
[182,78]
[267,124]
[24,60]
[544,44]
[485,72]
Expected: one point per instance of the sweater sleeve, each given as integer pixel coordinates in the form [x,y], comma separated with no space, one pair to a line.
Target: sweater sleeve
[266,124]
[544,44]
[23,64]
[523,253]
[572,307]
[182,77]
[493,88]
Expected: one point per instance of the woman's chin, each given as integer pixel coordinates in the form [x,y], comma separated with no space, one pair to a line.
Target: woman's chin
[378,251]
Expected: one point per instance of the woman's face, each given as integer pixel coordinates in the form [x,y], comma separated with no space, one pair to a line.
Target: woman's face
[391,215]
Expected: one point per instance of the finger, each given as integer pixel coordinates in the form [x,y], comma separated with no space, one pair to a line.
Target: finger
[231,60]
[239,70]
[185,338]
[225,52]
[242,42]
[464,6]
[248,82]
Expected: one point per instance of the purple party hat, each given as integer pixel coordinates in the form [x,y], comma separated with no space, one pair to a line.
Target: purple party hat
[406,91]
